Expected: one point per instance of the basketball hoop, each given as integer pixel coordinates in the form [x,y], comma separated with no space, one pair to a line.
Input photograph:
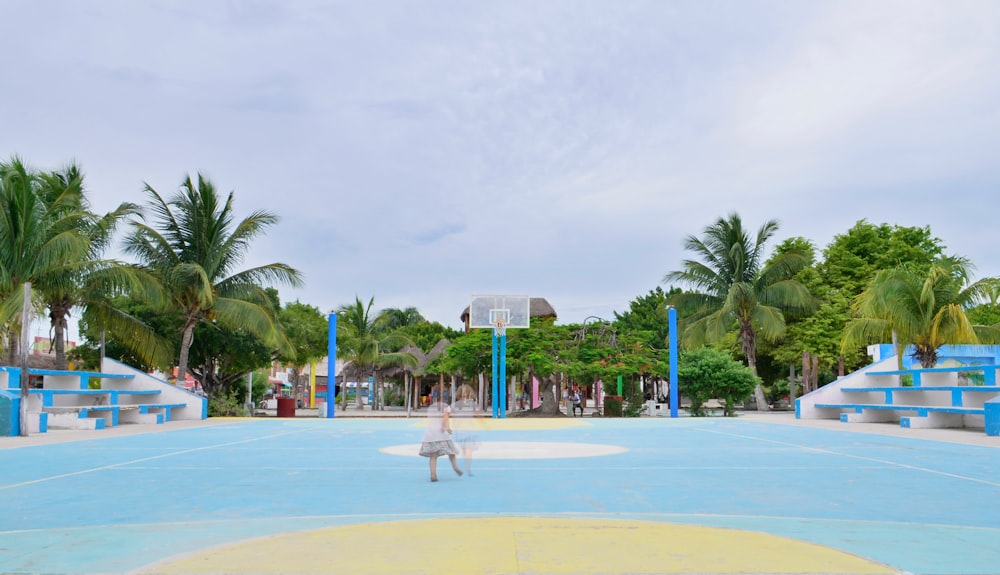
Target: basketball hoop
[500,326]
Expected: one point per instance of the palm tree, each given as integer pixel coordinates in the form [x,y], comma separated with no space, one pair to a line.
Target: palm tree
[39,236]
[734,284]
[396,318]
[92,282]
[195,250]
[924,309]
[362,339]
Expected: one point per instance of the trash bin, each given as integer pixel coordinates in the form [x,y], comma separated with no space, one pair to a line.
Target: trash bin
[286,407]
[321,408]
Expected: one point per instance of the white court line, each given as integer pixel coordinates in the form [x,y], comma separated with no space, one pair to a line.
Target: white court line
[151,458]
[518,468]
[861,457]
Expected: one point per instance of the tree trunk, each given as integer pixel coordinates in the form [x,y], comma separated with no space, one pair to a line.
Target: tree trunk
[791,384]
[57,317]
[182,359]
[815,372]
[805,372]
[748,341]
[358,401]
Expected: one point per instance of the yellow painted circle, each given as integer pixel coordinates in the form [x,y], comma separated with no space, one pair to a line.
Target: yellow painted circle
[522,545]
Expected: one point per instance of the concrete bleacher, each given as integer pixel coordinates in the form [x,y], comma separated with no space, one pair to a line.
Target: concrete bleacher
[117,394]
[914,397]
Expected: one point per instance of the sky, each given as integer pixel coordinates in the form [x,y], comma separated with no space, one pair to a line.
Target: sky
[418,153]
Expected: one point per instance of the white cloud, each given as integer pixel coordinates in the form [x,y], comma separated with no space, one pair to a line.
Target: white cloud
[422,153]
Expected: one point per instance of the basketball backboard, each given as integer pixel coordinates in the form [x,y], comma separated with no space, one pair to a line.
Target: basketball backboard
[486,309]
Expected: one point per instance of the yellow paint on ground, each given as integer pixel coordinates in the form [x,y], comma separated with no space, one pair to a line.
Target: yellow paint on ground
[511,424]
[516,545]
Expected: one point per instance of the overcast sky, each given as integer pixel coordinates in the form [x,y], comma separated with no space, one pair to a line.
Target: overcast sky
[422,152]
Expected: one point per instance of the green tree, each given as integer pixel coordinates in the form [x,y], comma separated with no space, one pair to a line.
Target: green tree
[706,373]
[194,250]
[118,346]
[646,317]
[363,338]
[396,318]
[733,285]
[39,236]
[91,282]
[852,259]
[308,332]
[926,309]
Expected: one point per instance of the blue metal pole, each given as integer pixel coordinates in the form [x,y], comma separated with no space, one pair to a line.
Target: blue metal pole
[503,376]
[493,398]
[331,368]
[674,394]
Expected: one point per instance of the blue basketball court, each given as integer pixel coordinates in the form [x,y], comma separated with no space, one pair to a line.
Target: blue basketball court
[586,495]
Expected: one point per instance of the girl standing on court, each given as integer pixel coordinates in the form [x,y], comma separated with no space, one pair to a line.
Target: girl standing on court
[437,438]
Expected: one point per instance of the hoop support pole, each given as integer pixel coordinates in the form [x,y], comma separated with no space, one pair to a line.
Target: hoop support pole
[495,386]
[503,376]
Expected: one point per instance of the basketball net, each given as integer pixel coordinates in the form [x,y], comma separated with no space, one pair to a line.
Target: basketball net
[500,327]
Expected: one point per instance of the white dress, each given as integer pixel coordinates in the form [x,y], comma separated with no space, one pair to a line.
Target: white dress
[437,441]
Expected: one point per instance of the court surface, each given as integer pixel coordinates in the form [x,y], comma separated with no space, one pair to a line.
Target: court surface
[574,496]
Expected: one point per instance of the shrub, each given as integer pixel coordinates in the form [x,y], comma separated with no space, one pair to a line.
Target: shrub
[613,405]
[226,405]
[707,373]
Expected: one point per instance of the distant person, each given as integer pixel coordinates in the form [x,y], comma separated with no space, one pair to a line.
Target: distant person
[437,438]
[576,402]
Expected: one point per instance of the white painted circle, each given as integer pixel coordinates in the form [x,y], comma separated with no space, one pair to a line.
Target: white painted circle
[521,450]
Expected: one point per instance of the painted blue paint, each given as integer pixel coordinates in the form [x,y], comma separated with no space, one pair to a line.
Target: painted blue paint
[503,375]
[920,409]
[992,413]
[331,368]
[495,387]
[10,414]
[904,422]
[674,392]
[117,527]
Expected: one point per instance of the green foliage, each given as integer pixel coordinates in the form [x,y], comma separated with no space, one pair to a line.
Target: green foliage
[705,374]
[469,354]
[363,339]
[307,330]
[229,404]
[613,406]
[734,287]
[925,308]
[646,318]
[221,357]
[194,248]
[163,324]
[852,259]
